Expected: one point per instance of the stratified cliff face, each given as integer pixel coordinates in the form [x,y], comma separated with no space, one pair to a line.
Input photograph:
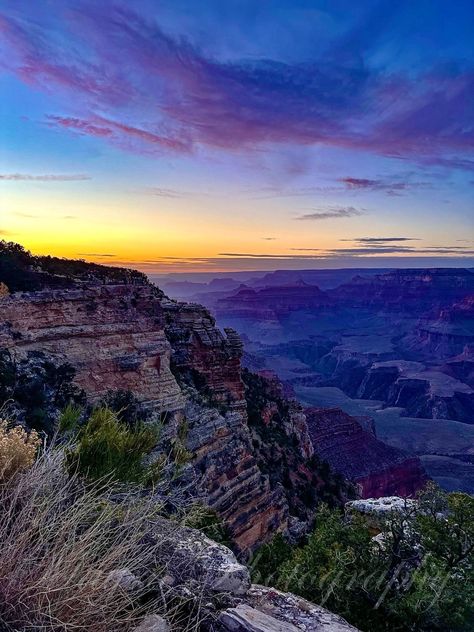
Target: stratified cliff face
[271,302]
[285,452]
[113,335]
[377,468]
[202,353]
[445,333]
[132,337]
[407,290]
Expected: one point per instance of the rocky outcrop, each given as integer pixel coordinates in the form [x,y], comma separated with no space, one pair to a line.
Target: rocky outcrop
[175,361]
[202,352]
[226,467]
[269,610]
[377,468]
[284,451]
[113,335]
[377,511]
[420,392]
[209,575]
[445,333]
[461,367]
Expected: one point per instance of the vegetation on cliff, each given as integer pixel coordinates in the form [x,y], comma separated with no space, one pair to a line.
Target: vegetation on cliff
[306,480]
[34,388]
[21,271]
[417,575]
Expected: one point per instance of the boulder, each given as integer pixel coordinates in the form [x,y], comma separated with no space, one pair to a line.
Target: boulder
[190,555]
[244,618]
[124,578]
[153,623]
[269,610]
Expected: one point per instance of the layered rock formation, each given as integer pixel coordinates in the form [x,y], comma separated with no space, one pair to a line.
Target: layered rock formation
[271,302]
[113,335]
[128,337]
[407,290]
[284,450]
[378,469]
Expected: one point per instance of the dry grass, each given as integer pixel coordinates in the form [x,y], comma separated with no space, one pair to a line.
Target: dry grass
[60,540]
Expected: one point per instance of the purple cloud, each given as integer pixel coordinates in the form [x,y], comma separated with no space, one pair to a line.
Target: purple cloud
[380,240]
[391,187]
[128,136]
[131,69]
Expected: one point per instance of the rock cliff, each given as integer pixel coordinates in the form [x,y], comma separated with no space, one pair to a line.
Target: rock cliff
[175,361]
[378,469]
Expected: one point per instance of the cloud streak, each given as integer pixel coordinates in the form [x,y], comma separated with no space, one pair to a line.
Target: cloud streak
[51,177]
[331,213]
[390,187]
[380,240]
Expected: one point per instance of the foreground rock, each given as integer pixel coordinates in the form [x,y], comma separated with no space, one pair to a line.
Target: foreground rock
[153,623]
[223,591]
[269,610]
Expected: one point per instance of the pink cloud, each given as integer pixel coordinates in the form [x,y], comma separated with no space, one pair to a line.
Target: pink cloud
[128,69]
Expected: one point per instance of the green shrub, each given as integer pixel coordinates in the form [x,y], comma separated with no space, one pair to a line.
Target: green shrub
[37,388]
[128,408]
[269,559]
[419,578]
[69,417]
[107,447]
[179,452]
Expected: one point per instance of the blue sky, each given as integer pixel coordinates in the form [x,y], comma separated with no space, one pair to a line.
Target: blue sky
[226,135]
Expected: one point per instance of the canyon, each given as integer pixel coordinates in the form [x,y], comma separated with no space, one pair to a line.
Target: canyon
[256,455]
[395,346]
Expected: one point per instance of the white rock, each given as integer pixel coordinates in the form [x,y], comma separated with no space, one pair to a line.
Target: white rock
[381,506]
[244,618]
[294,612]
[190,555]
[124,578]
[153,623]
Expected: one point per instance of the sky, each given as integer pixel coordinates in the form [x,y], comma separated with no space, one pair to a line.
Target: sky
[219,135]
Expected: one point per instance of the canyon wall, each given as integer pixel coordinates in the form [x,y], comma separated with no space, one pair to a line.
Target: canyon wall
[355,452]
[252,457]
[129,337]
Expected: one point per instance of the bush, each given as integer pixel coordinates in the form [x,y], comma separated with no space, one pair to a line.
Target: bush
[207,521]
[269,559]
[418,577]
[64,544]
[69,418]
[17,449]
[36,388]
[107,447]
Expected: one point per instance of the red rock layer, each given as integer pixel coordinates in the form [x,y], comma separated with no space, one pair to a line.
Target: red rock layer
[379,469]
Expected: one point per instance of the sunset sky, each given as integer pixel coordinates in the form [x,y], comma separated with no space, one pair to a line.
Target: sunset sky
[181,135]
